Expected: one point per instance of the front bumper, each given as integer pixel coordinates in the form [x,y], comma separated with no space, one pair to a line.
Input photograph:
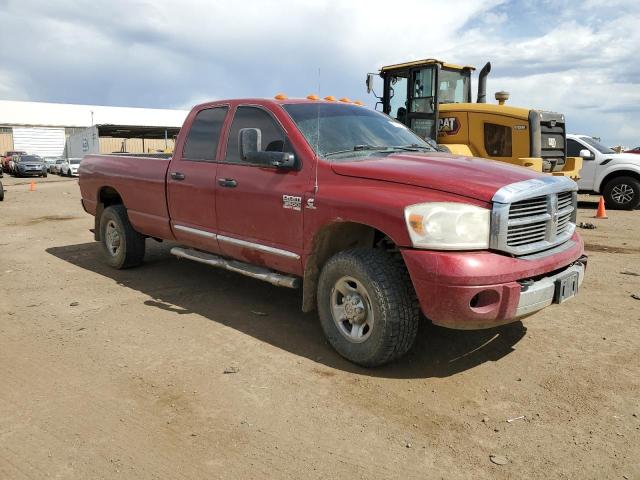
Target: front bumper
[474,290]
[33,173]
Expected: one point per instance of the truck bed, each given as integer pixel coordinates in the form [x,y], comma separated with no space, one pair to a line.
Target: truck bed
[139,180]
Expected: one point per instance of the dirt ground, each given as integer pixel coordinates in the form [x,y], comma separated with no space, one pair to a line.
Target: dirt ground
[120,374]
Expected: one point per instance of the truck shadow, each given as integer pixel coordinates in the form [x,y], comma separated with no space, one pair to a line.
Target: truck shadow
[273,314]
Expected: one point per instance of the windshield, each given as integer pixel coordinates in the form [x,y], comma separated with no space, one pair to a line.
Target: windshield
[347,128]
[453,86]
[597,145]
[29,158]
[74,161]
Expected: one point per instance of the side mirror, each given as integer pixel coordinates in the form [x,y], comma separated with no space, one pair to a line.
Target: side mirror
[369,82]
[280,160]
[250,141]
[586,154]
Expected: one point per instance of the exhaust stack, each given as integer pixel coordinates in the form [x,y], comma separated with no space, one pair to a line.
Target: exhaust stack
[482,83]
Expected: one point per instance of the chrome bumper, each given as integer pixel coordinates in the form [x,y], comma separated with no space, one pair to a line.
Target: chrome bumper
[541,293]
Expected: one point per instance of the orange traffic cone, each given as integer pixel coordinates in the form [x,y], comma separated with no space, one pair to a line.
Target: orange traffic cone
[601,213]
[32,187]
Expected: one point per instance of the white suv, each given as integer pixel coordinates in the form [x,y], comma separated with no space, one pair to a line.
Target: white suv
[70,167]
[614,175]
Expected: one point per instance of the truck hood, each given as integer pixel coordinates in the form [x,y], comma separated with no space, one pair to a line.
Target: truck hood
[470,177]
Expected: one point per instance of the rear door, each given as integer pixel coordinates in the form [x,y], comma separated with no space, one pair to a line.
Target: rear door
[260,207]
[191,180]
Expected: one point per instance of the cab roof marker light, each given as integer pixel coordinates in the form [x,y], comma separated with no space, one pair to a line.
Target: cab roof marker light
[345,100]
[330,98]
[280,96]
[313,97]
[359,103]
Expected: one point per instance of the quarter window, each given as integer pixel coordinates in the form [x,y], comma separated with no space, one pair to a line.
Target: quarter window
[272,137]
[204,135]
[497,140]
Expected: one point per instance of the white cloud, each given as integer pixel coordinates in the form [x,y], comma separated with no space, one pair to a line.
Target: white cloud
[574,57]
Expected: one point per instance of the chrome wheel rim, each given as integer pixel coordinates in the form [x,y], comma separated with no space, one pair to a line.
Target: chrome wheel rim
[622,193]
[112,238]
[351,309]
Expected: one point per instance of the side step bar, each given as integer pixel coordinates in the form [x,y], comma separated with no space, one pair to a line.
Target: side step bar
[266,275]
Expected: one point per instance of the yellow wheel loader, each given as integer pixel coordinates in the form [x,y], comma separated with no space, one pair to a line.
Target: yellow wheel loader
[433,98]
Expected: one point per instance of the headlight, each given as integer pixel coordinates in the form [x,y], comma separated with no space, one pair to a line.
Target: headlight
[448,226]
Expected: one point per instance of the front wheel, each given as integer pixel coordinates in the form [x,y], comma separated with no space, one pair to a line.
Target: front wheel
[622,193]
[367,306]
[122,245]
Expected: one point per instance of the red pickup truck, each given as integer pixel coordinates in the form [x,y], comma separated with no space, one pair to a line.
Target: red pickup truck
[351,206]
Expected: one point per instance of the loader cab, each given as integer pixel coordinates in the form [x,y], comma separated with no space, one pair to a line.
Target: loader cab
[413,92]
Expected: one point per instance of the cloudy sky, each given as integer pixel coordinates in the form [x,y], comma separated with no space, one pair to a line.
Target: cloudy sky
[577,57]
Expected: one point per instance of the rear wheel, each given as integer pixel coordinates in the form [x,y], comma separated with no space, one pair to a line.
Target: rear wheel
[123,246]
[367,306]
[622,193]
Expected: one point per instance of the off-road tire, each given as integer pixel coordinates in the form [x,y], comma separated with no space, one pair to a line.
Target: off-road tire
[609,193]
[393,302]
[132,244]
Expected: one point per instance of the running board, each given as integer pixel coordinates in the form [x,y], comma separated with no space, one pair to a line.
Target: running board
[247,269]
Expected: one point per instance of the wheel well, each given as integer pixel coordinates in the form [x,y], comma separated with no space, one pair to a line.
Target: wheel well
[332,239]
[107,196]
[618,173]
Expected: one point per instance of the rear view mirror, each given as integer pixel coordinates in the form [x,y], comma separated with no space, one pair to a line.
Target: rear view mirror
[369,82]
[586,154]
[250,142]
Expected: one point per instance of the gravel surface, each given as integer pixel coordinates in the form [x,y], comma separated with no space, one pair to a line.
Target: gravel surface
[176,370]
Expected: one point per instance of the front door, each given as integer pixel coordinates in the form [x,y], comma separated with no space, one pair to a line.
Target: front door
[259,207]
[422,116]
[191,182]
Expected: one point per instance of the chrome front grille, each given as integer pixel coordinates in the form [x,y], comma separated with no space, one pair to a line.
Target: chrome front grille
[533,215]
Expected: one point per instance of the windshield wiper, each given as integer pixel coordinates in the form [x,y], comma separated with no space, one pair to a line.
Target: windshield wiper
[411,148]
[357,148]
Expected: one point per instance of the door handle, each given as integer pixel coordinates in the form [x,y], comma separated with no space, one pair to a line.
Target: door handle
[177,175]
[227,182]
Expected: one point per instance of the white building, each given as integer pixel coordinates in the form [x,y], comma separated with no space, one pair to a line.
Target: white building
[43,128]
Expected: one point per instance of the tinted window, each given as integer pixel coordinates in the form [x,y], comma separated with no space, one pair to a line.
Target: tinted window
[202,140]
[573,148]
[497,140]
[272,137]
[597,145]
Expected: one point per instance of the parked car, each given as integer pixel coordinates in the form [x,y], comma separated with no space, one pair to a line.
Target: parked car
[50,161]
[7,159]
[633,150]
[70,167]
[55,168]
[28,166]
[353,207]
[614,175]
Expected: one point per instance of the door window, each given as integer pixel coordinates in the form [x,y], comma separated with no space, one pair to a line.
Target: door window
[204,135]
[272,138]
[398,98]
[497,140]
[573,148]
[422,91]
